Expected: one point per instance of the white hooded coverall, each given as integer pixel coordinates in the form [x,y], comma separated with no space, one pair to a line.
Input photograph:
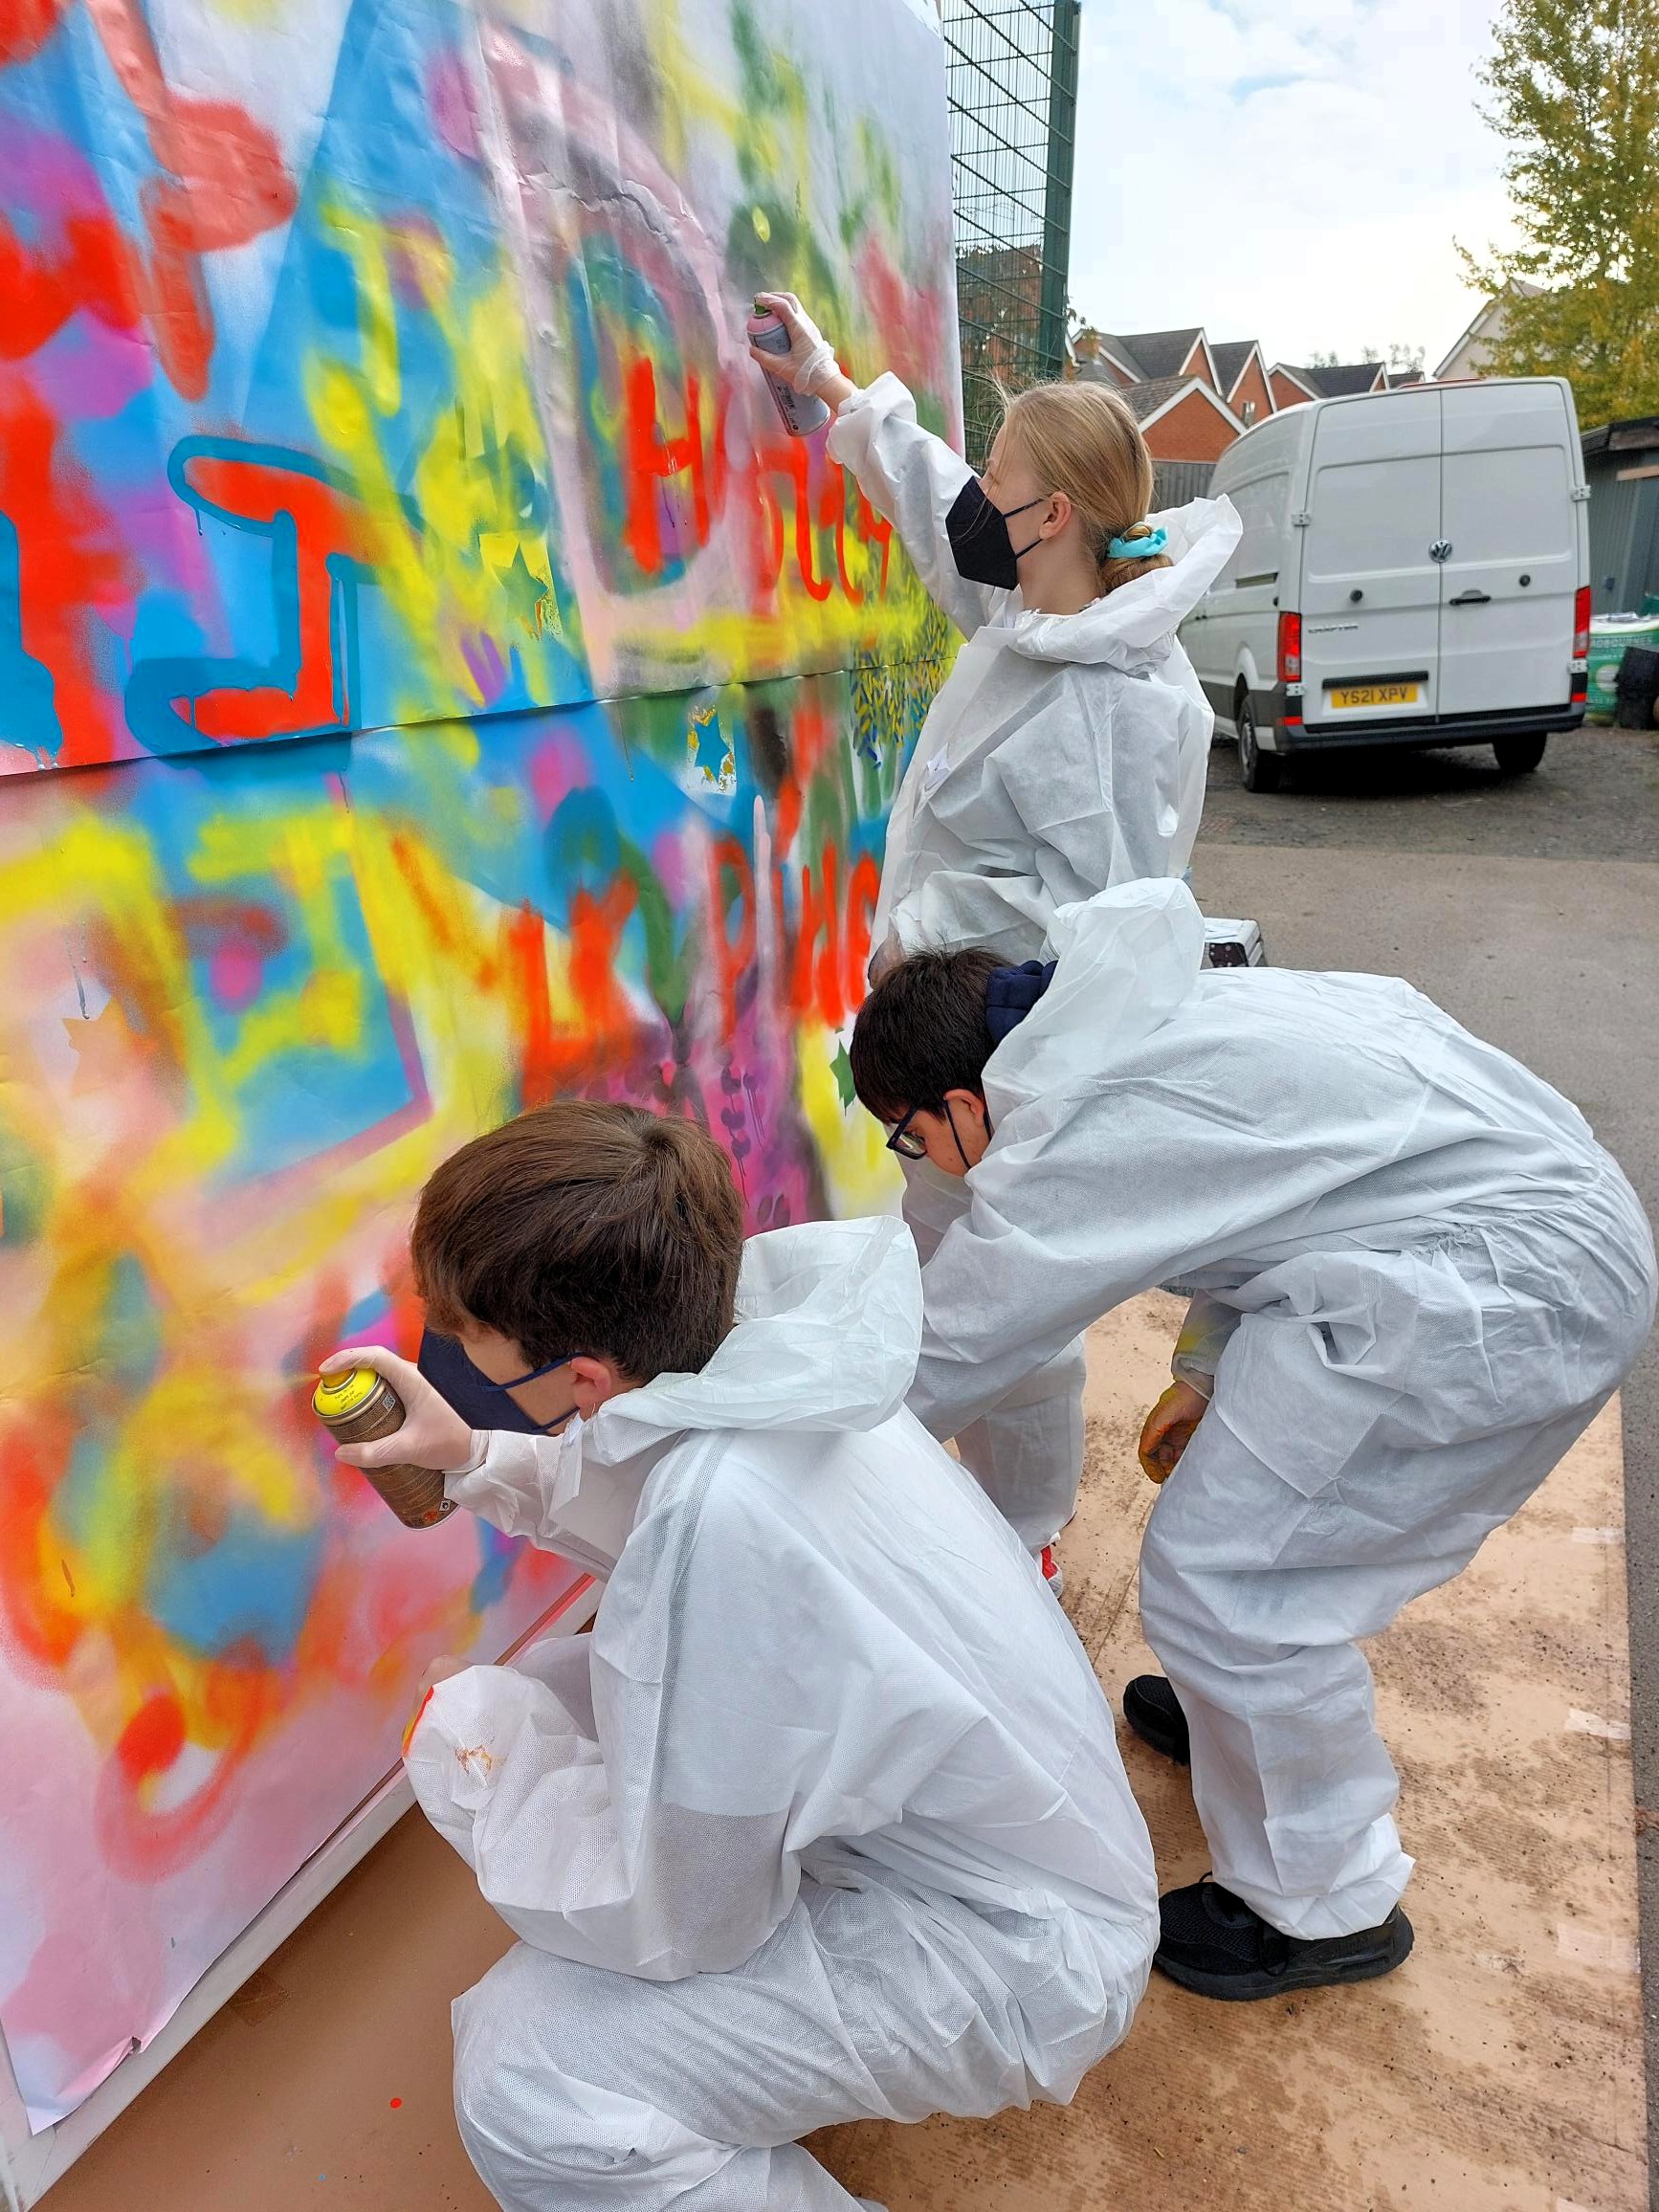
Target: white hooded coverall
[1064,753]
[1419,1279]
[825,1820]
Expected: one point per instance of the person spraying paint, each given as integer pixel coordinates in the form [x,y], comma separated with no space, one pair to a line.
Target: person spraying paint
[1418,1278]
[825,1821]
[1066,751]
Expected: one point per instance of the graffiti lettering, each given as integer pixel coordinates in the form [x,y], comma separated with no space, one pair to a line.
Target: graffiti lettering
[316,535]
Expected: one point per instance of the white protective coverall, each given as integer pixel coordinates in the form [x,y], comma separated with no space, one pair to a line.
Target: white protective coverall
[1418,1277]
[1064,753]
[825,1820]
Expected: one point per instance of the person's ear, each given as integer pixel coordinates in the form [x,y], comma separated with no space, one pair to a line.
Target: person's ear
[1059,514]
[971,1104]
[592,1382]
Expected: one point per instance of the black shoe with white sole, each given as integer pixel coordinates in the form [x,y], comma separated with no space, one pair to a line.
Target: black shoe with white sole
[1153,1710]
[1216,1944]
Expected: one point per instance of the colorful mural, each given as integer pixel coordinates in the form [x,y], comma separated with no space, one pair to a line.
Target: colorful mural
[430,680]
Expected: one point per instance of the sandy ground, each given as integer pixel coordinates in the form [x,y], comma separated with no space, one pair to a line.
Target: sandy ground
[1501,2067]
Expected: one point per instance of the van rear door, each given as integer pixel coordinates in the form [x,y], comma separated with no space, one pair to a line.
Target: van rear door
[1506,633]
[1371,586]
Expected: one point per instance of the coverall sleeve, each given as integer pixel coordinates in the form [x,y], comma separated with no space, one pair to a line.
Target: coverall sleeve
[725,1745]
[913,478]
[504,1773]
[516,1486]
[1039,1258]
[1202,1340]
[561,1663]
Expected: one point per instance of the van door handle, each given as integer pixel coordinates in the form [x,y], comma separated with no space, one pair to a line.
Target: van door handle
[1470,599]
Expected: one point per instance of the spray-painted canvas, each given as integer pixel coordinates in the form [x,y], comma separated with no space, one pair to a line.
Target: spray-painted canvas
[471,693]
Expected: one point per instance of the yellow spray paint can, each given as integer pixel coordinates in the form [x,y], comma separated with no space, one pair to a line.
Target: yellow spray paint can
[360,1406]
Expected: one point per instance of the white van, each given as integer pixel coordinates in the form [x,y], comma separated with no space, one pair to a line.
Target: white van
[1414,571]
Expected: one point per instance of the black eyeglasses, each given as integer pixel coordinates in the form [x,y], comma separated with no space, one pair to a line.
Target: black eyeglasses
[908,1143]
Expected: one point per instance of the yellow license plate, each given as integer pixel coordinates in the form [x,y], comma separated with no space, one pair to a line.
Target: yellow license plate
[1375,694]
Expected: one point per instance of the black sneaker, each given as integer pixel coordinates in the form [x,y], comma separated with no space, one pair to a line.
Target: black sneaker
[1153,1710]
[1215,1943]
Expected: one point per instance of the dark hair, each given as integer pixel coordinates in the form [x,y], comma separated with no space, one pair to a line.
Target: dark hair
[921,1032]
[585,1228]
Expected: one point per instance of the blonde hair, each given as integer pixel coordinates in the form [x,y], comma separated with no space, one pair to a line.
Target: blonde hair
[1082,439]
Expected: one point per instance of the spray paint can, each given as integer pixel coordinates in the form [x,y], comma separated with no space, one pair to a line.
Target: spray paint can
[801,415]
[360,1406]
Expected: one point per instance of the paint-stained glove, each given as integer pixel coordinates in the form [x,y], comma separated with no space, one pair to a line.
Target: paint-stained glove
[1169,1428]
[811,361]
[433,1434]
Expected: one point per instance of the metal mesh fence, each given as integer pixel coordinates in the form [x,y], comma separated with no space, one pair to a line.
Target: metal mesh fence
[1012,69]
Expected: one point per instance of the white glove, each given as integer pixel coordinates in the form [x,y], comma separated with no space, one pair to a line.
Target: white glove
[810,358]
[433,1434]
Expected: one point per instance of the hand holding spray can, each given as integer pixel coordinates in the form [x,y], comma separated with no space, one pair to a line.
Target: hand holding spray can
[359,1406]
[802,414]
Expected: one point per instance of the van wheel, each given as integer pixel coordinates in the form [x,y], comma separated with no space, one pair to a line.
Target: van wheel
[1260,770]
[1516,756]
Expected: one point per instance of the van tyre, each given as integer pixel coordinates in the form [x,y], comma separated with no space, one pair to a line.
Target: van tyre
[1259,770]
[1519,756]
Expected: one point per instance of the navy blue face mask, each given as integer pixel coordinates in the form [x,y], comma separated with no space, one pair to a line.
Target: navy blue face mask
[480,1402]
[980,543]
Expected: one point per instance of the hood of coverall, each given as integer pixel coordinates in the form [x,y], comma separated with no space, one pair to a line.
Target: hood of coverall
[827,1336]
[1133,627]
[1126,961]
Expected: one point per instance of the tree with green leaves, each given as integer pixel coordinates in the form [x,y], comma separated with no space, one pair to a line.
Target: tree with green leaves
[1574,88]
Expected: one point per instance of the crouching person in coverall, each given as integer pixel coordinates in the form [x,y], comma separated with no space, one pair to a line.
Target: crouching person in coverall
[826,1820]
[1419,1279]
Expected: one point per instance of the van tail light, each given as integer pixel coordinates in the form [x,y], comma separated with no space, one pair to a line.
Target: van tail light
[1290,649]
[1581,625]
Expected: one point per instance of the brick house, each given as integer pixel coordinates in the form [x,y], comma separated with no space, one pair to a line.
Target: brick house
[1243,381]
[1193,397]
[1339,381]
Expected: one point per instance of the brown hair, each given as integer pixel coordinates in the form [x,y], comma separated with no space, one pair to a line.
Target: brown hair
[585,1228]
[1082,439]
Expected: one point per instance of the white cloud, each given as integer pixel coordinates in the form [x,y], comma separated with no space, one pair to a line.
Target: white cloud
[1292,171]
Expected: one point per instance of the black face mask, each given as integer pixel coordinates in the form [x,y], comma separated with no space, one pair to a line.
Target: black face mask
[979,538]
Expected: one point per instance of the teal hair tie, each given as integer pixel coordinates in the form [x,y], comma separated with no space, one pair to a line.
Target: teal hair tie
[1137,548]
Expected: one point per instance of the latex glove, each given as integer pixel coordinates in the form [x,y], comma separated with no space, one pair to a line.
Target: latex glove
[440,1671]
[811,361]
[885,957]
[433,1434]
[1168,1429]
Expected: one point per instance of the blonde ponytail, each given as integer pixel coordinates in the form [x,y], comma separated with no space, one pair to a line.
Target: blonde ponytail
[1082,439]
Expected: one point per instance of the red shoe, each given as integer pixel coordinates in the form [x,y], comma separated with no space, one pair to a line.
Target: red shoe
[1052,1574]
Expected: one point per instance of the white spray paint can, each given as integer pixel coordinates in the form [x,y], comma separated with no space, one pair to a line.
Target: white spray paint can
[801,415]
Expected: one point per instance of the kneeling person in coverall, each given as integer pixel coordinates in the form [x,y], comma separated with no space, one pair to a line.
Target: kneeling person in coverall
[1418,1280]
[826,1820]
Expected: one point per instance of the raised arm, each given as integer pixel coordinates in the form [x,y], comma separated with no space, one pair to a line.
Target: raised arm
[908,474]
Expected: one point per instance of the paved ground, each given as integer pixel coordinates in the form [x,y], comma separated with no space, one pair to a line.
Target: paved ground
[1529,907]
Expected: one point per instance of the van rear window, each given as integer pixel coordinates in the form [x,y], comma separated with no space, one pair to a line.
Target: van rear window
[1511,503]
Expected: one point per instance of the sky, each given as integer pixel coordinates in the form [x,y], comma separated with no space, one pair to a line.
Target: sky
[1292,171]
